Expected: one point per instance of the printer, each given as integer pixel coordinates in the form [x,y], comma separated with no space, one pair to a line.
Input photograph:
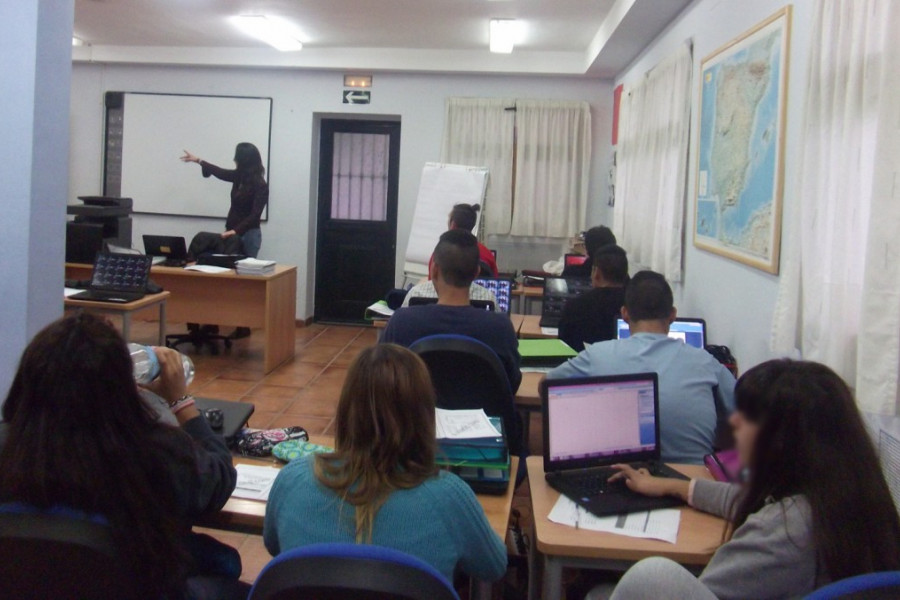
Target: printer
[98,221]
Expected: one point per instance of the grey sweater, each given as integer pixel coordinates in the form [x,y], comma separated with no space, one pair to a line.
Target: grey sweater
[770,556]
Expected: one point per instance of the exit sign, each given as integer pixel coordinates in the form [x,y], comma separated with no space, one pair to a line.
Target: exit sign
[357,97]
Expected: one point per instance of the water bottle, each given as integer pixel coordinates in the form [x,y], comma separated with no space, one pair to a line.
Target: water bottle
[146,364]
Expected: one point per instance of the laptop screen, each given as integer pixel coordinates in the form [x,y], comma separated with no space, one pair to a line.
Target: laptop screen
[689,331]
[120,272]
[502,289]
[600,418]
[575,260]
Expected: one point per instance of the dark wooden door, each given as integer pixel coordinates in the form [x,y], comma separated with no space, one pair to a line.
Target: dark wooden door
[356,239]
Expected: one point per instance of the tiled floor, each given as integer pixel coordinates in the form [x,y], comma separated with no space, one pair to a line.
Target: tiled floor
[302,392]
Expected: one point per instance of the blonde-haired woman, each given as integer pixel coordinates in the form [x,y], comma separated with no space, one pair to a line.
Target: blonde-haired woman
[381,486]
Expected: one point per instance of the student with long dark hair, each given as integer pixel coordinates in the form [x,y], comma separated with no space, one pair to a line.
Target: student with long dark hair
[465,217]
[816,507]
[79,437]
[249,194]
[381,485]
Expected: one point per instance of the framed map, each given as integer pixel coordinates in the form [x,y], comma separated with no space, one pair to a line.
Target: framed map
[740,159]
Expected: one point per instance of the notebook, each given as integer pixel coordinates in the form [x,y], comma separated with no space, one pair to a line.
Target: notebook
[593,423]
[689,331]
[119,278]
[545,353]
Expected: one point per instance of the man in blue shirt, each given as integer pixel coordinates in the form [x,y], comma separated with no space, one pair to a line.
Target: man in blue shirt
[454,268]
[689,378]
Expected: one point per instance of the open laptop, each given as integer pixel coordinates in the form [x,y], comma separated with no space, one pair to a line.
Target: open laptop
[558,291]
[593,423]
[166,250]
[574,260]
[502,289]
[689,331]
[117,278]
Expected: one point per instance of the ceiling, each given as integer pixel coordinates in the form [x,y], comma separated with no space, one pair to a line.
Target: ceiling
[575,37]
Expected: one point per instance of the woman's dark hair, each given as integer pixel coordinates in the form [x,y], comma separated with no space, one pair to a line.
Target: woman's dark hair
[464,216]
[249,162]
[812,442]
[613,263]
[597,237]
[80,437]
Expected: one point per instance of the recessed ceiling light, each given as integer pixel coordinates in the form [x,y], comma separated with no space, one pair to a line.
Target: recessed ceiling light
[276,32]
[503,35]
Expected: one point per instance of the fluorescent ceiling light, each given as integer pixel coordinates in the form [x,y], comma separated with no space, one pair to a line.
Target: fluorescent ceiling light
[503,35]
[77,41]
[274,31]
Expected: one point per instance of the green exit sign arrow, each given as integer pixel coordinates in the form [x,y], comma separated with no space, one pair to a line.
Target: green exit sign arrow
[357,97]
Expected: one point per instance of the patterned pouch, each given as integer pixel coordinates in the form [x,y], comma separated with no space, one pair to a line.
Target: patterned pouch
[260,443]
[294,449]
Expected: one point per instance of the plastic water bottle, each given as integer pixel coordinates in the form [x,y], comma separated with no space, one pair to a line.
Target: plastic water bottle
[146,364]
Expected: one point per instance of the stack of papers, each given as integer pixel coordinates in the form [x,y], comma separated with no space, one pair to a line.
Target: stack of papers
[464,425]
[207,269]
[254,483]
[254,266]
[656,524]
[379,311]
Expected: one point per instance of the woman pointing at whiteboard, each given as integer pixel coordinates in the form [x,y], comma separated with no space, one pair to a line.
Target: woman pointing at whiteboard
[249,194]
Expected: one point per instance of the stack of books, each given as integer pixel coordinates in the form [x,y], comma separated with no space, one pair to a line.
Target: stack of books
[254,266]
[472,445]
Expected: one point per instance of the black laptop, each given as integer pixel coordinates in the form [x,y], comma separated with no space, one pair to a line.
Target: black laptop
[558,291]
[593,423]
[117,278]
[166,250]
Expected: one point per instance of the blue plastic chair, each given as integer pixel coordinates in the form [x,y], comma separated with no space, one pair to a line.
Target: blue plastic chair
[872,586]
[350,572]
[467,374]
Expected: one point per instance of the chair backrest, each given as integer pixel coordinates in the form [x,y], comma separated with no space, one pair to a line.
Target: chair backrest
[872,586]
[467,374]
[60,557]
[351,572]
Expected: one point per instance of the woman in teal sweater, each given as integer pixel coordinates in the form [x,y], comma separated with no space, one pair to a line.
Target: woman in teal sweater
[381,485]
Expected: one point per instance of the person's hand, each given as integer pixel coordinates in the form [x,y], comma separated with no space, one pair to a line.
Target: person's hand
[170,384]
[188,157]
[641,481]
[228,234]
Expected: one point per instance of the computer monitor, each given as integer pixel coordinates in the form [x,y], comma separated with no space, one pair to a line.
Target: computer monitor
[83,242]
[599,418]
[689,331]
[170,246]
[501,288]
[574,260]
[558,291]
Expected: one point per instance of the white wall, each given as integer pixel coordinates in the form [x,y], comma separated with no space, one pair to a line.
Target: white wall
[737,301]
[418,99]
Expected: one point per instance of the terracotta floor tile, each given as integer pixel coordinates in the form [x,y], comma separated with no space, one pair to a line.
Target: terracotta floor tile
[267,390]
[268,404]
[242,374]
[226,386]
[294,375]
[261,419]
[318,354]
[314,402]
[337,334]
[312,424]
[254,557]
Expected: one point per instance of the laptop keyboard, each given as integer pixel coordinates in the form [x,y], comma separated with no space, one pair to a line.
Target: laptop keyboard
[595,482]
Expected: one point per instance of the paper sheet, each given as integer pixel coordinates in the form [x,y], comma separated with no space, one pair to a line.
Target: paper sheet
[254,483]
[381,308]
[554,331]
[657,524]
[207,269]
[527,369]
[463,424]
[70,292]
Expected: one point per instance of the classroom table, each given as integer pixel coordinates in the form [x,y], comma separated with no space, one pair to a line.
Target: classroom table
[126,310]
[531,329]
[525,296]
[247,516]
[516,320]
[560,546]
[255,301]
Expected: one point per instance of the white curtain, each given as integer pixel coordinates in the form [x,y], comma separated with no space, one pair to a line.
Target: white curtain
[480,132]
[652,162]
[840,289]
[553,158]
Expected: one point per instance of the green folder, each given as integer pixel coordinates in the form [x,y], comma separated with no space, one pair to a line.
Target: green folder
[545,353]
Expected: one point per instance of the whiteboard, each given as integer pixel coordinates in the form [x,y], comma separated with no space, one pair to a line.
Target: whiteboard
[442,186]
[157,128]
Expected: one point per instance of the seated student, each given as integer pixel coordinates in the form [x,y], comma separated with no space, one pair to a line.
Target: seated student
[594,239]
[381,485]
[77,436]
[426,289]
[454,268]
[815,509]
[464,216]
[689,377]
[592,317]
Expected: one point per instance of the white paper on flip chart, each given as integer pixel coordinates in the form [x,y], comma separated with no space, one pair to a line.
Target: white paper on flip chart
[656,524]
[463,424]
[254,483]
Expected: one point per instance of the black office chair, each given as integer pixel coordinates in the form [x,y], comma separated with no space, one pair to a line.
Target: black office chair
[350,572]
[199,336]
[467,374]
[61,557]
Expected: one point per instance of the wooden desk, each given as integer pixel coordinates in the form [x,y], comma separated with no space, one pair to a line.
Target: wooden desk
[528,397]
[260,301]
[531,329]
[126,310]
[526,296]
[699,536]
[517,321]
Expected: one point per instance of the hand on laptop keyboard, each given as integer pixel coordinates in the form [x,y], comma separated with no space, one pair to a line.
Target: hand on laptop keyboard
[644,482]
